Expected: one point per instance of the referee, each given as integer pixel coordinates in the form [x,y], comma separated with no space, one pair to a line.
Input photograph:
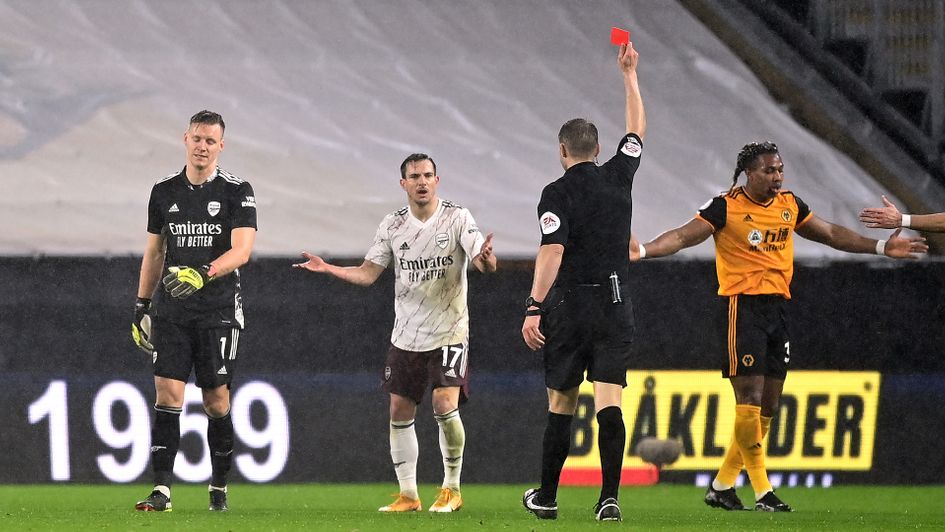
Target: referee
[753,228]
[201,229]
[578,309]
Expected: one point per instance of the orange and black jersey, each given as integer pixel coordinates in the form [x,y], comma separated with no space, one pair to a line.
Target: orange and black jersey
[754,242]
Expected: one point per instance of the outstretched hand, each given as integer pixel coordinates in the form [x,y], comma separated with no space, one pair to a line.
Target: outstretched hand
[313,263]
[886,217]
[486,250]
[899,247]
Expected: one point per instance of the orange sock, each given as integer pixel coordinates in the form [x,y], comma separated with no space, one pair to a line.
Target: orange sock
[733,463]
[748,437]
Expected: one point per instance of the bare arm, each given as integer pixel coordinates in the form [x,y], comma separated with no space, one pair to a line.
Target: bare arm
[485,261]
[843,239]
[889,217]
[241,248]
[693,233]
[627,58]
[546,270]
[363,275]
[152,265]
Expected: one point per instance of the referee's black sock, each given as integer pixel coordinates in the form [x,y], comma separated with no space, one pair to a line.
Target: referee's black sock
[165,440]
[554,451]
[611,438]
[220,438]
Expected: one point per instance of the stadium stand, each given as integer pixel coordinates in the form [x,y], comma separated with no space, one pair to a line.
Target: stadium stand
[324,99]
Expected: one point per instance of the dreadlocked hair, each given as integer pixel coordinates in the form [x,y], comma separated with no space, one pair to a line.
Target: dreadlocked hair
[747,156]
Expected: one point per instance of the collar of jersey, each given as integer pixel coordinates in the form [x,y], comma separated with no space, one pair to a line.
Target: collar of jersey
[436,213]
[191,186]
[751,199]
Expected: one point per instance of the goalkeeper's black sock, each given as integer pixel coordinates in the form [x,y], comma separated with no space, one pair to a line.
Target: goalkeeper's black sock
[554,451]
[220,438]
[611,438]
[165,440]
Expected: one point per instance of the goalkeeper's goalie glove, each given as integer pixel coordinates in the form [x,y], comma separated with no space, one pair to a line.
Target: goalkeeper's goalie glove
[184,280]
[141,326]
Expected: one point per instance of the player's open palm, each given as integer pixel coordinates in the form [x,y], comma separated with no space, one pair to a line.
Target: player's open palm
[314,263]
[899,247]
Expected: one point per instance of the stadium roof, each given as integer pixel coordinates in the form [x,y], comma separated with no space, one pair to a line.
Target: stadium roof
[323,100]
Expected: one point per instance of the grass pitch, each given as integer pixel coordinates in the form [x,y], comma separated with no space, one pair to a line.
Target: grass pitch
[353,507]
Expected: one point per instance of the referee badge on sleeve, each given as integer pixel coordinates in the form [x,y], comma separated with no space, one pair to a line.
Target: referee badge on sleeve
[631,147]
[549,223]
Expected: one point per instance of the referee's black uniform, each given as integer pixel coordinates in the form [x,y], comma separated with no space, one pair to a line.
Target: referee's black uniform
[588,318]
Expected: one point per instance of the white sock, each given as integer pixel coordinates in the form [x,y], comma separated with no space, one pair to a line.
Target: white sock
[404,452]
[718,486]
[452,442]
[163,489]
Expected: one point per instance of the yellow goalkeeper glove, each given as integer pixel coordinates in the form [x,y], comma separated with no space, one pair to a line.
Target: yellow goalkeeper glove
[141,326]
[184,280]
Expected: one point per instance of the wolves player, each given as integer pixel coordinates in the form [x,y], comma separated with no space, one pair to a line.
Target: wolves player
[429,243]
[201,229]
[753,227]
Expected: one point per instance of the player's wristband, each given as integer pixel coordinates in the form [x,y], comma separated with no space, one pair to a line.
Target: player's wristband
[642,251]
[533,312]
[906,221]
[880,247]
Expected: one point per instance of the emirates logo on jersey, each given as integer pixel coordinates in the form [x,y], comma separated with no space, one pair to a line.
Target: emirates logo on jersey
[213,208]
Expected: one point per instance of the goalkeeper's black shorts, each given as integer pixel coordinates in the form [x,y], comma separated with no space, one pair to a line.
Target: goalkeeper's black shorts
[210,353]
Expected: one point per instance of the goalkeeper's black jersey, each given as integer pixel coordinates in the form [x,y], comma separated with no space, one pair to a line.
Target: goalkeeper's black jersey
[196,222]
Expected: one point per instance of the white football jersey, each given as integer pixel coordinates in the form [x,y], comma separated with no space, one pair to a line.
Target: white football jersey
[430,260]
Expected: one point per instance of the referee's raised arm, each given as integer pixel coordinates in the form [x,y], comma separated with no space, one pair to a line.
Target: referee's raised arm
[627,59]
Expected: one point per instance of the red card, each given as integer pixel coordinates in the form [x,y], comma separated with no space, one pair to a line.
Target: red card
[619,36]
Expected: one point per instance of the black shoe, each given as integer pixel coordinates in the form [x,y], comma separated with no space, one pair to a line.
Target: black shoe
[607,510]
[156,502]
[218,500]
[541,511]
[771,503]
[723,499]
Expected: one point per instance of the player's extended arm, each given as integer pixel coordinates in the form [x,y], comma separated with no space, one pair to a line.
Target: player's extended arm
[485,261]
[839,237]
[363,275]
[184,280]
[152,264]
[685,236]
[627,59]
[546,270]
[889,217]
[242,240]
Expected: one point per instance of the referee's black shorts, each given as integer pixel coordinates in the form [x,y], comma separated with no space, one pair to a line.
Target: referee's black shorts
[585,331]
[757,339]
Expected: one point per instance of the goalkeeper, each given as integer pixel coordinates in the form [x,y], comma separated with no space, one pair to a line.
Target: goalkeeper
[201,229]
